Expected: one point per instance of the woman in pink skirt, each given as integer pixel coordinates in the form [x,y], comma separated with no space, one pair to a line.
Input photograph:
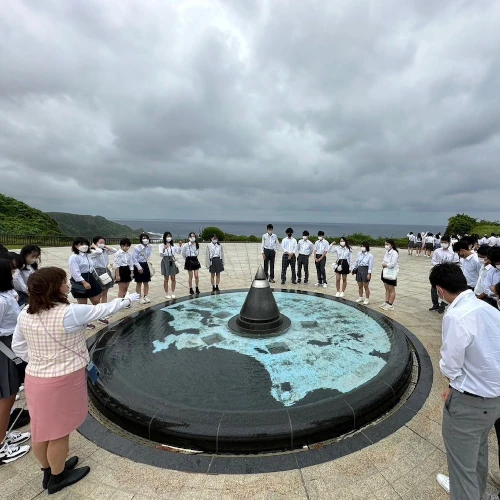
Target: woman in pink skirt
[51,336]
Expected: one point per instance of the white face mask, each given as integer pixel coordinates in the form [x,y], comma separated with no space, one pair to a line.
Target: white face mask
[304,238]
[342,243]
[192,239]
[387,247]
[83,248]
[214,241]
[270,232]
[169,239]
[145,241]
[445,245]
[363,249]
[101,245]
[320,238]
[442,297]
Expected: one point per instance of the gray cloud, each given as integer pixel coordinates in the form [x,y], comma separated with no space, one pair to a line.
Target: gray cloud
[387,111]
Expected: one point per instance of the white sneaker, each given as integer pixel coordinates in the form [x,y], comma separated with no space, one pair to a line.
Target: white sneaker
[359,300]
[142,300]
[388,307]
[18,397]
[383,305]
[317,284]
[15,438]
[168,297]
[21,388]
[444,482]
[366,302]
[173,296]
[325,285]
[146,300]
[341,294]
[11,452]
[337,294]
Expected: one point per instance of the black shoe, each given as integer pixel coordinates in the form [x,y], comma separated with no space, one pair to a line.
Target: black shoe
[272,281]
[197,291]
[213,288]
[306,282]
[217,289]
[70,464]
[24,419]
[294,282]
[299,280]
[66,478]
[441,310]
[191,291]
[434,308]
[283,282]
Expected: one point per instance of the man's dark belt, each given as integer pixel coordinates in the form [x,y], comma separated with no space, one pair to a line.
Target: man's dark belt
[466,393]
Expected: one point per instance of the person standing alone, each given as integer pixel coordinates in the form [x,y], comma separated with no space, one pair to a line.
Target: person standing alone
[268,249]
[289,246]
[470,364]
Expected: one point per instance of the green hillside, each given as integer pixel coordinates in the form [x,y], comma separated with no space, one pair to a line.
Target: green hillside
[462,224]
[89,225]
[18,218]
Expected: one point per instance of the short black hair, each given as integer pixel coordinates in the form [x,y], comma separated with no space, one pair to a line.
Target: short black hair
[270,226]
[462,244]
[95,239]
[125,242]
[483,250]
[445,238]
[79,240]
[143,235]
[497,289]
[305,233]
[289,230]
[449,277]
[321,233]
[366,245]
[494,255]
[3,252]
[6,282]
[430,234]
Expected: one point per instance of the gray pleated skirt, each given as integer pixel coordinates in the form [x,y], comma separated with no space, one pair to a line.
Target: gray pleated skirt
[168,267]
[9,374]
[216,266]
[362,274]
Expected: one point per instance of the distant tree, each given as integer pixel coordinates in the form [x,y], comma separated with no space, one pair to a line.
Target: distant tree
[208,232]
[460,224]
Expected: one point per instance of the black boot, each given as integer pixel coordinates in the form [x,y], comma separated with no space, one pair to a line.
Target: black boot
[66,478]
[197,291]
[70,464]
[213,288]
[191,291]
[217,288]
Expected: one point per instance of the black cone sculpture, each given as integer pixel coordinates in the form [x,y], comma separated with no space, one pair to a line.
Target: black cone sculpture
[259,316]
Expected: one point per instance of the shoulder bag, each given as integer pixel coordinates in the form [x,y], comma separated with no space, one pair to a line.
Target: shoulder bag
[150,266]
[390,274]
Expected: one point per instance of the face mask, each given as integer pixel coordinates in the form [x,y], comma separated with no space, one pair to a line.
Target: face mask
[363,249]
[192,240]
[480,260]
[214,241]
[169,239]
[304,238]
[83,248]
[101,245]
[145,241]
[442,296]
[270,232]
[320,238]
[387,247]
[445,245]
[342,243]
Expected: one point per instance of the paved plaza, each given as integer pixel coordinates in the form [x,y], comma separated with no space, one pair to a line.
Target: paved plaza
[401,466]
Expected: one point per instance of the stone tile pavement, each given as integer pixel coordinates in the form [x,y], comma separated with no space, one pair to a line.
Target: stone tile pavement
[402,466]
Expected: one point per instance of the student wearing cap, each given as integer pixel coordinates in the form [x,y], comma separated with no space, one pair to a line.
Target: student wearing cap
[289,247]
[306,248]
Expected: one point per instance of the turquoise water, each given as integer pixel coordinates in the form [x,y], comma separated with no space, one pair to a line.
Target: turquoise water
[330,345]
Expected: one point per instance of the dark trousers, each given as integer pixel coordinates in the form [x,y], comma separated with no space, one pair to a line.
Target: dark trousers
[269,255]
[435,299]
[285,262]
[497,430]
[303,260]
[320,269]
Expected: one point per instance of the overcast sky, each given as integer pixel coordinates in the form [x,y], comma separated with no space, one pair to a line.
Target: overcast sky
[331,110]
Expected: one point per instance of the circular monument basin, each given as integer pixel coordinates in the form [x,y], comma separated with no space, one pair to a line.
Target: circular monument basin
[178,375]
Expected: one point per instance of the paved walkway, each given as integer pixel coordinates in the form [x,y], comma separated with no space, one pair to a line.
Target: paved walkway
[404,465]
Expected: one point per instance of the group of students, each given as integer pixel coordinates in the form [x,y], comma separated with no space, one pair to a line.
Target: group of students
[296,255]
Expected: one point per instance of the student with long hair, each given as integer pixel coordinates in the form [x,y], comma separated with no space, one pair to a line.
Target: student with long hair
[169,268]
[343,265]
[214,261]
[411,242]
[419,242]
[429,245]
[100,253]
[30,257]
[84,286]
[124,267]
[391,261]
[142,276]
[190,251]
[362,269]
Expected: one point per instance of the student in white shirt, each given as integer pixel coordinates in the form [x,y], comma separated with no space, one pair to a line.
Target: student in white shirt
[429,244]
[437,241]
[100,253]
[493,276]
[440,256]
[306,248]
[142,276]
[492,240]
[30,256]
[124,267]
[482,255]
[214,261]
[391,261]
[169,268]
[419,243]
[362,269]
[411,242]
[484,240]
[84,285]
[289,247]
[469,262]
[343,265]
[470,364]
[268,249]
[320,250]
[190,252]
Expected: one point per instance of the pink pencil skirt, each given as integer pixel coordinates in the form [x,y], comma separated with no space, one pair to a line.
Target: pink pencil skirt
[57,405]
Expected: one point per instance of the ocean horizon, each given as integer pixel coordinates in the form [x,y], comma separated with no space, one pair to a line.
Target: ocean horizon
[181,228]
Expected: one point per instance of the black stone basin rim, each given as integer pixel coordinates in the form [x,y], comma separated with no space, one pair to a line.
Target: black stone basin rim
[241,464]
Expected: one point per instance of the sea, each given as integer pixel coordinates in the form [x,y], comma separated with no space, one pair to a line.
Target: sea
[181,228]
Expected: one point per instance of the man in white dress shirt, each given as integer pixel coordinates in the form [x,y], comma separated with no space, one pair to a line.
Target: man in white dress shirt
[289,247]
[470,363]
[440,256]
[268,248]
[469,262]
